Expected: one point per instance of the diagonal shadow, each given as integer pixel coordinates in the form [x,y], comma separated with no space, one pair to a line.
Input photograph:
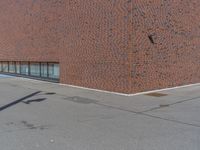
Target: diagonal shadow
[18,101]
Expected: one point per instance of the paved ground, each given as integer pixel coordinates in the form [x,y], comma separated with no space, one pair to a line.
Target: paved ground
[38,115]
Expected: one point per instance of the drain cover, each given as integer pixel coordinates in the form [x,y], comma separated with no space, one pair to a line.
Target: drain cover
[156,94]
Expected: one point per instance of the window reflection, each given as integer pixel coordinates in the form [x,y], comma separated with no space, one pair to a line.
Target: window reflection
[43,70]
[24,68]
[5,66]
[35,69]
[12,67]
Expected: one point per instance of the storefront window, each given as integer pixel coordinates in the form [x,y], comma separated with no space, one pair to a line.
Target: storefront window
[12,67]
[5,66]
[53,70]
[17,67]
[44,72]
[24,68]
[35,69]
[0,66]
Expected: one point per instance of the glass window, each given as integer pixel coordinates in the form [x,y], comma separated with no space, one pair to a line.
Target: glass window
[0,66]
[12,67]
[5,66]
[17,67]
[35,69]
[24,68]
[44,70]
[54,70]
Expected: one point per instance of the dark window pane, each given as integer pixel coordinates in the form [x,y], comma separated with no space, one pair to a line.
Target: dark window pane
[24,68]
[11,67]
[44,70]
[35,69]
[5,66]
[54,70]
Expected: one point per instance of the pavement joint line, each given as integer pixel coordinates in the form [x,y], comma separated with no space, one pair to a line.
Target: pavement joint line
[179,102]
[149,115]
[171,120]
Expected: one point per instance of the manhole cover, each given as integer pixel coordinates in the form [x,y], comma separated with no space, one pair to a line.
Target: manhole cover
[156,94]
[81,100]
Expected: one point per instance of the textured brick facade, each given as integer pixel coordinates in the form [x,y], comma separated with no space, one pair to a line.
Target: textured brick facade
[125,46]
[173,57]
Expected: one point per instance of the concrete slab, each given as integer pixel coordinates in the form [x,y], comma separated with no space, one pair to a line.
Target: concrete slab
[61,117]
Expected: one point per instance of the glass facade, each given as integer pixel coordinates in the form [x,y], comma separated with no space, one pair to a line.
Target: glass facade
[44,70]
[35,69]
[12,67]
[17,67]
[53,70]
[24,68]
[1,67]
[41,70]
[5,66]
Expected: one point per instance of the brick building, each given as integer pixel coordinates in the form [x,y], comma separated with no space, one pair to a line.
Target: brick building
[125,46]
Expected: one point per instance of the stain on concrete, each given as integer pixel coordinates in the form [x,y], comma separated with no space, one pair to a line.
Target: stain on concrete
[32,126]
[155,94]
[25,125]
[81,100]
[50,93]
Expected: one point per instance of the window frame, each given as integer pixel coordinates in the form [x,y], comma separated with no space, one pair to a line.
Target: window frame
[43,71]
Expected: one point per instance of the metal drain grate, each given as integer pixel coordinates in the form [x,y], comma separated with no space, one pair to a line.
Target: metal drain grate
[156,94]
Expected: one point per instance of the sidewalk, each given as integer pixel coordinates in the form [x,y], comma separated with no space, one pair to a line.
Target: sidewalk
[61,117]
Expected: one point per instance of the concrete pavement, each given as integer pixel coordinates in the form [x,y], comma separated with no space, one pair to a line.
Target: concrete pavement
[64,118]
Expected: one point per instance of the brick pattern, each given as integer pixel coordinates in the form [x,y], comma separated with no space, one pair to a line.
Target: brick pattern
[125,46]
[28,30]
[88,37]
[97,52]
[173,57]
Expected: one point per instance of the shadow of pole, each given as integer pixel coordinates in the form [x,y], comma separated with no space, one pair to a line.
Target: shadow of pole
[18,101]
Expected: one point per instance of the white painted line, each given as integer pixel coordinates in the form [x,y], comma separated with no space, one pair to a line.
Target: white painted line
[73,86]
[165,89]
[109,92]
[96,90]
[135,94]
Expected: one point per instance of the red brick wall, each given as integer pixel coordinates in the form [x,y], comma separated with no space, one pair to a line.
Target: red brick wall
[104,44]
[174,58]
[96,49]
[88,37]
[28,30]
